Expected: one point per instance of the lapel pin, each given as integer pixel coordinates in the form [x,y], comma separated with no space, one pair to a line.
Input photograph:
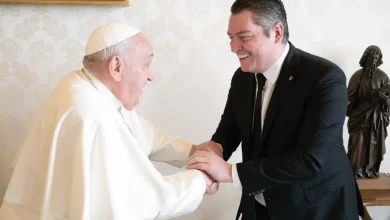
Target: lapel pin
[290,78]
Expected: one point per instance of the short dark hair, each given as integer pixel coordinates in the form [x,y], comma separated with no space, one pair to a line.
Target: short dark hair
[266,13]
[370,51]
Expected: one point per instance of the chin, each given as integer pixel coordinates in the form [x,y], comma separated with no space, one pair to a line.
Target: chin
[129,107]
[247,69]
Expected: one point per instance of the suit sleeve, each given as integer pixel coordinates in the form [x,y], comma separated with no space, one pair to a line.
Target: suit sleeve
[227,133]
[322,123]
[126,184]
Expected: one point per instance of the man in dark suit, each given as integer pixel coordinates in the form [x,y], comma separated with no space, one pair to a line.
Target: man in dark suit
[287,109]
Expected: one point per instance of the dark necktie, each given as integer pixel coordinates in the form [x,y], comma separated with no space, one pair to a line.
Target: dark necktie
[257,112]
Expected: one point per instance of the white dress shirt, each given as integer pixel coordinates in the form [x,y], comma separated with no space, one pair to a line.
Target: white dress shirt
[271,76]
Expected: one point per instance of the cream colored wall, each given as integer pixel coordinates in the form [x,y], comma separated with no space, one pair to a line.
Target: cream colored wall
[193,65]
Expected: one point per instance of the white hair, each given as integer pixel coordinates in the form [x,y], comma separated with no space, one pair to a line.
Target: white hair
[94,62]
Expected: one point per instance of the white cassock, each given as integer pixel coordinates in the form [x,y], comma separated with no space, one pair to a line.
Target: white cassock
[87,158]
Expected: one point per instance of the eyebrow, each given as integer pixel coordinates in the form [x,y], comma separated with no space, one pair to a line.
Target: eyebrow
[241,32]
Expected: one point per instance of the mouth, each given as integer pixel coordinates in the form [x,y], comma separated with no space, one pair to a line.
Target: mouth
[243,56]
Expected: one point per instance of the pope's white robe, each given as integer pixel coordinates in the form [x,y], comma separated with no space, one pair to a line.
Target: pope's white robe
[87,158]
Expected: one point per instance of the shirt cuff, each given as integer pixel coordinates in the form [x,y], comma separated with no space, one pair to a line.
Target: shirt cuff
[236,179]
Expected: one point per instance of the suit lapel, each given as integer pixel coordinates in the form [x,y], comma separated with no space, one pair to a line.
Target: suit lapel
[283,83]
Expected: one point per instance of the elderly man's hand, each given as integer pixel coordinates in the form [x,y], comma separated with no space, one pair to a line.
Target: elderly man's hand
[212,188]
[212,164]
[211,185]
[208,146]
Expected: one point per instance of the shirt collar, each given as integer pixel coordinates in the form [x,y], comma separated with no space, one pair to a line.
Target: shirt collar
[103,90]
[273,72]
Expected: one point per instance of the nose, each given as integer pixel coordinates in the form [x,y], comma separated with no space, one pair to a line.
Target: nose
[151,76]
[235,45]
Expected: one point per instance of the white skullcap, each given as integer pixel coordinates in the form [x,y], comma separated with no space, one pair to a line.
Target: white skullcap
[108,35]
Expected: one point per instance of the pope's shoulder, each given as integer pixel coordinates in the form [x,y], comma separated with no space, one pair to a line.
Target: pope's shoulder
[75,97]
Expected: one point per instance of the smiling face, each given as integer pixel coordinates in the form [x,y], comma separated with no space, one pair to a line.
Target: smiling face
[255,51]
[138,72]
[131,72]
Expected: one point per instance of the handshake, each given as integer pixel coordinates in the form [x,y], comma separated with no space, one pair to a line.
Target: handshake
[208,158]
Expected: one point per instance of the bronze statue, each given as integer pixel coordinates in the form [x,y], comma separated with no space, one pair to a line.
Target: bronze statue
[368,114]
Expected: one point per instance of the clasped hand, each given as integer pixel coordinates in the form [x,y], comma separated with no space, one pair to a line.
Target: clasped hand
[208,158]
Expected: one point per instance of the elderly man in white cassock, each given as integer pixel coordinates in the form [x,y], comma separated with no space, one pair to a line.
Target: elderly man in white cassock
[88,155]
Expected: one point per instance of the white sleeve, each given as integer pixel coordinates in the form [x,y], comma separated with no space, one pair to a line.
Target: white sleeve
[125,184]
[236,178]
[166,147]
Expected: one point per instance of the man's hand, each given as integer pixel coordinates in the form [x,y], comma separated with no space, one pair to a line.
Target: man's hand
[211,185]
[208,146]
[213,188]
[211,163]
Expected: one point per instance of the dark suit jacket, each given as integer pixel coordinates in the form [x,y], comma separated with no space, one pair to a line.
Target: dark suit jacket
[301,165]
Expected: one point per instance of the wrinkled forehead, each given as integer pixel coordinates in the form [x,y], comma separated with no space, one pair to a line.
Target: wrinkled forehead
[145,44]
[148,48]
[141,51]
[141,46]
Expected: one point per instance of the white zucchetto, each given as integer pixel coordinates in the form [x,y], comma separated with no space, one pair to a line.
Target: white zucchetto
[108,35]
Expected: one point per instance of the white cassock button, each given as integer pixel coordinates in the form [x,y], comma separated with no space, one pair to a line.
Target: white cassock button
[290,78]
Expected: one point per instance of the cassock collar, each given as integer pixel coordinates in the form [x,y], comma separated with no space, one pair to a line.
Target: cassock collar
[103,90]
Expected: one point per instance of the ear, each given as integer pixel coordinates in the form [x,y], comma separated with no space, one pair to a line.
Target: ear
[278,29]
[115,67]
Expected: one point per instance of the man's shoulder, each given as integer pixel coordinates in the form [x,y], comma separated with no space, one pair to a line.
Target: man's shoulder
[74,96]
[317,67]
[75,90]
[316,62]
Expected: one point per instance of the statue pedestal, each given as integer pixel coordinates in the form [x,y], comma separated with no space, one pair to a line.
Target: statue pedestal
[375,192]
